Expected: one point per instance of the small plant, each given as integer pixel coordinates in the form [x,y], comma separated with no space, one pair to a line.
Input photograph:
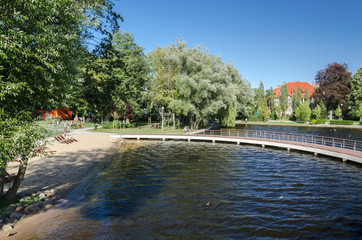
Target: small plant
[95,126]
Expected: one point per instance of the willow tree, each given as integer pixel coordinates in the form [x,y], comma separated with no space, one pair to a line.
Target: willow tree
[198,84]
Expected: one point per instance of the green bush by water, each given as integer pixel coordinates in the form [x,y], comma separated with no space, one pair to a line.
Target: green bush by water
[318,121]
[341,122]
[116,125]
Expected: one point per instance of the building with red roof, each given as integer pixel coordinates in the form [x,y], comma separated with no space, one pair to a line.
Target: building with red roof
[294,86]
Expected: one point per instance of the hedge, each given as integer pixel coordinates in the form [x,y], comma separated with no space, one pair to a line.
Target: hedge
[116,125]
[318,121]
[341,122]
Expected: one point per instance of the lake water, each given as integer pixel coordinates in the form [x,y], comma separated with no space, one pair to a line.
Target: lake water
[347,133]
[181,190]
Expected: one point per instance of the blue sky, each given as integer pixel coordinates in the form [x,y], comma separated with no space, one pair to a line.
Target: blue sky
[273,41]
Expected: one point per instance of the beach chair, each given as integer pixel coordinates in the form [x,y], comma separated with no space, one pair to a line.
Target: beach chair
[60,140]
[70,139]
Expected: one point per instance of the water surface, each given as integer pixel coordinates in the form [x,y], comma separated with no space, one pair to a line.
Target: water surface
[340,132]
[180,190]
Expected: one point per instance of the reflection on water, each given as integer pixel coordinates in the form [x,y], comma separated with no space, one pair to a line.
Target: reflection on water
[347,133]
[180,190]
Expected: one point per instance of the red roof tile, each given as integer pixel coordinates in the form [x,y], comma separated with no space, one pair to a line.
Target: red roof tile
[294,85]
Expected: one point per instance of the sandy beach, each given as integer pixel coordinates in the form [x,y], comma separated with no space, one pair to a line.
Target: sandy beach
[67,168]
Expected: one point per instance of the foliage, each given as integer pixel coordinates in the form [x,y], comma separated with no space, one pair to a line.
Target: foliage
[355,96]
[338,112]
[306,95]
[341,122]
[318,121]
[259,96]
[334,86]
[271,99]
[41,47]
[279,112]
[264,111]
[117,125]
[115,78]
[283,99]
[303,112]
[198,85]
[297,97]
[316,114]
[359,111]
[19,139]
[165,67]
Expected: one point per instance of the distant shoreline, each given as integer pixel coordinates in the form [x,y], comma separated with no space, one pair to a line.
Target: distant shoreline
[240,122]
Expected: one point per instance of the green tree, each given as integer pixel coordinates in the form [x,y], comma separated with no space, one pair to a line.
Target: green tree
[283,99]
[204,87]
[162,87]
[303,112]
[316,114]
[259,96]
[359,112]
[279,112]
[355,96]
[338,112]
[19,139]
[271,100]
[117,77]
[41,48]
[264,111]
[306,95]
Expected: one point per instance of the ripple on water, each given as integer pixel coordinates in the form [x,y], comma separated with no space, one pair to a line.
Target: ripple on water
[161,190]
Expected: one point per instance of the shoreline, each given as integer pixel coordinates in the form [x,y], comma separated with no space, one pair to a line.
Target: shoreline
[239,122]
[67,172]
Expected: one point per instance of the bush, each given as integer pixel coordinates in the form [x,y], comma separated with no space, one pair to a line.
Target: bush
[360,123]
[341,122]
[116,125]
[255,118]
[108,126]
[321,121]
[128,125]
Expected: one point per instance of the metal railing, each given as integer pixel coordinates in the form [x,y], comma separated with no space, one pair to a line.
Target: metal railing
[302,139]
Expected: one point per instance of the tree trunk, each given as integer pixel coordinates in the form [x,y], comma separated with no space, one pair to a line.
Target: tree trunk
[173,121]
[2,182]
[11,193]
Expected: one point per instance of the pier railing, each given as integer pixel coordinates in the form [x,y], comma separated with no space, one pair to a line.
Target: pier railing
[301,139]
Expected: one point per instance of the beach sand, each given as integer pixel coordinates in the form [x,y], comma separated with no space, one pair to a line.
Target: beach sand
[69,167]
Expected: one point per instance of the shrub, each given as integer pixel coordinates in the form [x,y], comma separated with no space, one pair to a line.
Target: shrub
[360,123]
[108,126]
[321,121]
[341,122]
